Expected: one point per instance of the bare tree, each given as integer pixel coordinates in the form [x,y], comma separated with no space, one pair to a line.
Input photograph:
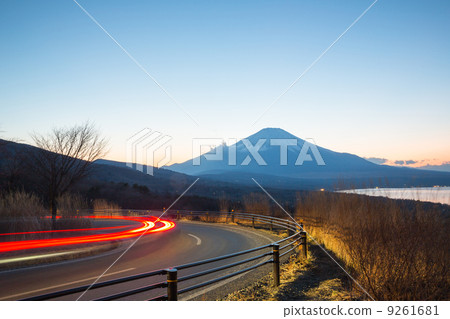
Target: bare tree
[64,157]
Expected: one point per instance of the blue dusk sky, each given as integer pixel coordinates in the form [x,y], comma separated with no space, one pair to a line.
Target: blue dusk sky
[383,90]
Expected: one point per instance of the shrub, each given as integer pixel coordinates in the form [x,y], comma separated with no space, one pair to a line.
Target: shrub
[397,251]
[71,205]
[71,208]
[102,205]
[21,212]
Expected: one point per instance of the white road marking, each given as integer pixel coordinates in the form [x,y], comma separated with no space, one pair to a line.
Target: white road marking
[65,284]
[199,241]
[226,281]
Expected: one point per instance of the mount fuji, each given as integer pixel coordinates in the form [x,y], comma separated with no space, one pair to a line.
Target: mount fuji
[278,158]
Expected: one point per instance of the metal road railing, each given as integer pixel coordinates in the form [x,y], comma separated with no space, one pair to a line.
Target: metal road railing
[270,254]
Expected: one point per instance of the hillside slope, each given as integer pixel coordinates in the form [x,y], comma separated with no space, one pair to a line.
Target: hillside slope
[304,167]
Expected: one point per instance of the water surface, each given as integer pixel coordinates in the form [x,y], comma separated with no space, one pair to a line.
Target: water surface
[425,194]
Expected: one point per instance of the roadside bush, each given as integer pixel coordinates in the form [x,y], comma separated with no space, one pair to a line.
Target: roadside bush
[21,212]
[396,250]
[257,204]
[102,205]
[71,205]
[71,208]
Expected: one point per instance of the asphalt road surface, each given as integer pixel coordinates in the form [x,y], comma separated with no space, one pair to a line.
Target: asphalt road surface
[188,242]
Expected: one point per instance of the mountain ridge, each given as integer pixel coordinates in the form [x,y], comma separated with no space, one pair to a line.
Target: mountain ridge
[338,167]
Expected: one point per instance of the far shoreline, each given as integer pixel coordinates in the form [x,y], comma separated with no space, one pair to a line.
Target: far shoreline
[435,194]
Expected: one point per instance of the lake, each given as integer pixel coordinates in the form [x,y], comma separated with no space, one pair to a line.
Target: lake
[425,194]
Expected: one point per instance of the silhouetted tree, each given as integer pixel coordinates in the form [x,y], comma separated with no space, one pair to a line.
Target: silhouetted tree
[64,157]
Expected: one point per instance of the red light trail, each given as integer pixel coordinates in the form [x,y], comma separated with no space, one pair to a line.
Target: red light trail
[147,225]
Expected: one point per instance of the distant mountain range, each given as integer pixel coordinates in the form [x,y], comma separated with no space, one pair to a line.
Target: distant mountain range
[106,173]
[11,155]
[279,159]
[424,164]
[260,157]
[439,168]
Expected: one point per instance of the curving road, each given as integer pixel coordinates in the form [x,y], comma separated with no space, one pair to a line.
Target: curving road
[188,242]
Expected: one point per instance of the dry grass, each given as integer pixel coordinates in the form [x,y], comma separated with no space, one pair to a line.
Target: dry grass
[299,280]
[21,212]
[73,206]
[257,204]
[102,205]
[328,290]
[263,289]
[70,205]
[396,251]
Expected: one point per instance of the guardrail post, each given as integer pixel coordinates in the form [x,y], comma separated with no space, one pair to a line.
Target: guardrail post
[303,245]
[172,284]
[207,217]
[276,264]
[271,225]
[253,221]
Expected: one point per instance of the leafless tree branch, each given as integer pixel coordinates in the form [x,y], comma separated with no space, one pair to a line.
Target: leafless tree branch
[65,156]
